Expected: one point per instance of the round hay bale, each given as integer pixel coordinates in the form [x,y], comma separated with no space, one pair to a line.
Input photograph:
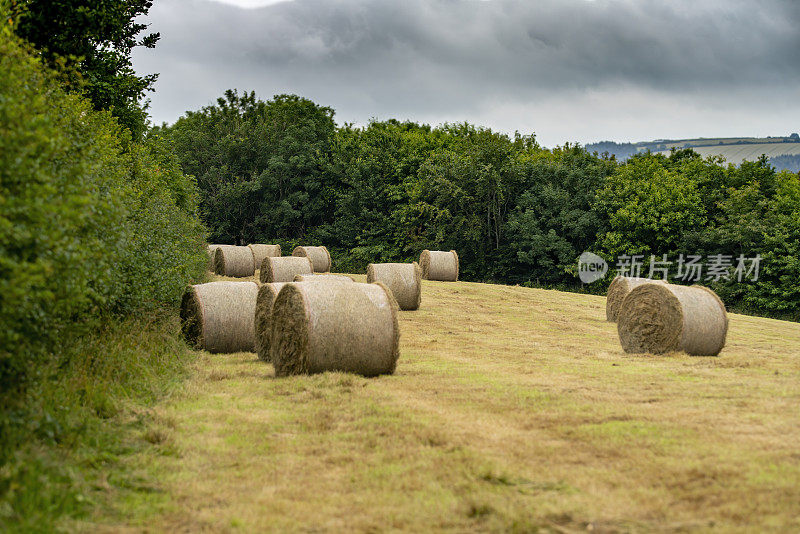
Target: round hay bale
[403,279]
[322,278]
[659,318]
[619,289]
[267,294]
[320,257]
[212,249]
[284,269]
[262,251]
[218,316]
[349,327]
[439,265]
[234,261]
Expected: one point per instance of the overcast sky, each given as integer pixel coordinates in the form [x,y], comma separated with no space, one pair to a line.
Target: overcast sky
[568,70]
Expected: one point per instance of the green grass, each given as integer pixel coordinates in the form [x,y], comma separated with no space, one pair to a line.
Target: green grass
[512,409]
[83,417]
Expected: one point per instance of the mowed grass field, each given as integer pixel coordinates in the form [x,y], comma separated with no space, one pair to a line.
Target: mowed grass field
[512,409]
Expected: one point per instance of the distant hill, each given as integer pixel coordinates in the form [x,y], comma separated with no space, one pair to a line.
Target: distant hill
[783,152]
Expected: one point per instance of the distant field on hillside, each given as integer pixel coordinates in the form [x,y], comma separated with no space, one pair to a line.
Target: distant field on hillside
[512,410]
[733,149]
[735,153]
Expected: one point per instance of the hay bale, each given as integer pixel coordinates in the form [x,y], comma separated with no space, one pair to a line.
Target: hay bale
[659,318]
[322,278]
[284,269]
[218,316]
[234,261]
[320,257]
[439,265]
[262,251]
[403,279]
[267,294]
[212,249]
[338,326]
[619,289]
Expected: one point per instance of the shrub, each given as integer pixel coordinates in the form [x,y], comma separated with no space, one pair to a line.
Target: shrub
[90,224]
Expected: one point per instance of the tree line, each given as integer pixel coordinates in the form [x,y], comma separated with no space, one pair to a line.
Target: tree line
[283,171]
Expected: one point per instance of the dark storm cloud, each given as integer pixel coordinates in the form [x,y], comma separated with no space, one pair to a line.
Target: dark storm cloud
[419,56]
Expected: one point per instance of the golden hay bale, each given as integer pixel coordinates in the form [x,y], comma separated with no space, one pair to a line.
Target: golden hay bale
[439,265]
[218,316]
[234,261]
[350,327]
[284,269]
[659,318]
[322,278]
[619,289]
[262,251]
[266,298]
[403,279]
[320,257]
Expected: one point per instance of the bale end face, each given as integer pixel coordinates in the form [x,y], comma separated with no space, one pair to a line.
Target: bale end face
[619,289]
[192,319]
[661,318]
[650,322]
[267,294]
[290,336]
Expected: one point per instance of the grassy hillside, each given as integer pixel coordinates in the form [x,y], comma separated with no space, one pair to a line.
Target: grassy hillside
[735,153]
[511,409]
[733,149]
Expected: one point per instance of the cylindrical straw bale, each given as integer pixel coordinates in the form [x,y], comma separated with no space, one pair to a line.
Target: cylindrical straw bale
[267,294]
[234,261]
[212,249]
[284,269]
[439,265]
[322,278]
[218,316]
[619,289]
[262,251]
[349,327]
[659,318]
[320,257]
[403,279]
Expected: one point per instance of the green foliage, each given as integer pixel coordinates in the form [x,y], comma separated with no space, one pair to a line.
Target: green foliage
[91,43]
[554,220]
[278,171]
[89,223]
[65,441]
[261,166]
[649,207]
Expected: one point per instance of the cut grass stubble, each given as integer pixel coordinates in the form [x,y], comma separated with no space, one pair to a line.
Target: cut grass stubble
[511,409]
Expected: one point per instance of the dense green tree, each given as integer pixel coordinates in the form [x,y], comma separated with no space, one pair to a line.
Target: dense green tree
[91,42]
[281,171]
[261,166]
[553,222]
[649,208]
[374,169]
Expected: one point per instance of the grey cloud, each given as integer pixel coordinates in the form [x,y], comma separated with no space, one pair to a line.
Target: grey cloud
[373,57]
